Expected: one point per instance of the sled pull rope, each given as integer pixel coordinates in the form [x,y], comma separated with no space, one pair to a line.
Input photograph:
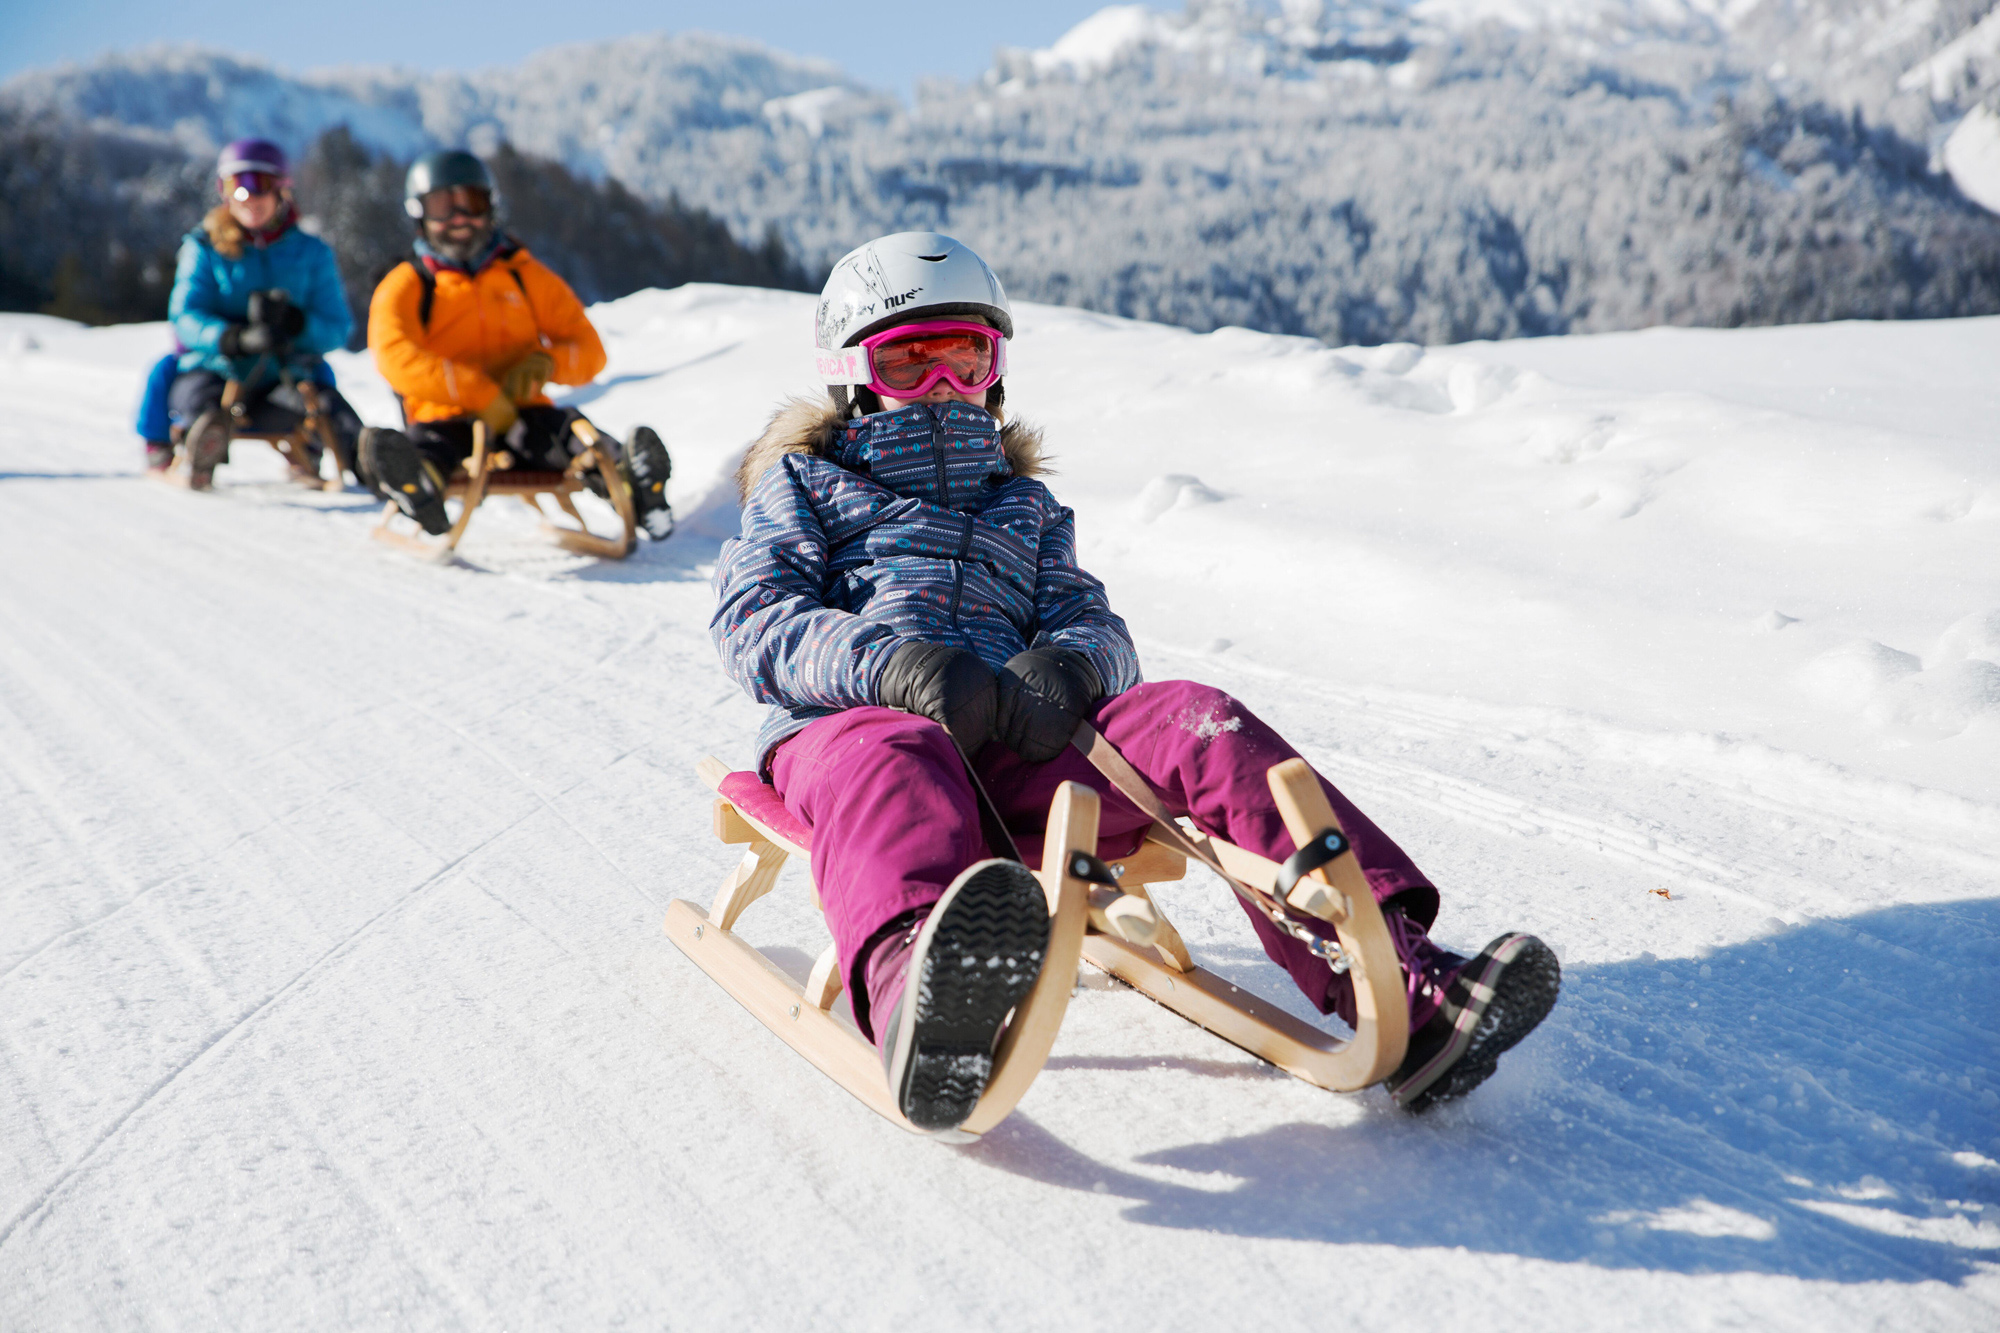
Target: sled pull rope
[1113,765]
[998,839]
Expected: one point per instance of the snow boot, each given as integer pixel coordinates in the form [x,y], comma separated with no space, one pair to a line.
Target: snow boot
[207,446]
[647,469]
[306,471]
[1487,1006]
[963,968]
[399,472]
[159,455]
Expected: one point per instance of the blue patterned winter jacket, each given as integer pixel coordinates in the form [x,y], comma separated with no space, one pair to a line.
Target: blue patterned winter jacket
[925,523]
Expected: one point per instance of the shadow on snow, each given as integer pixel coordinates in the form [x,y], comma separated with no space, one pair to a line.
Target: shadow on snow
[1820,1103]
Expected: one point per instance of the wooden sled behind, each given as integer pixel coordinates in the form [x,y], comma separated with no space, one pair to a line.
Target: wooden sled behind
[491,473]
[803,1015]
[1337,892]
[292,445]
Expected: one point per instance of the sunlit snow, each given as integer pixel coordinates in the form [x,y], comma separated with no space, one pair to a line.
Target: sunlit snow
[332,984]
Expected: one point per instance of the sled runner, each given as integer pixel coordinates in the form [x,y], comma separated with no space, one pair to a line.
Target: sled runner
[294,445]
[1119,930]
[490,473]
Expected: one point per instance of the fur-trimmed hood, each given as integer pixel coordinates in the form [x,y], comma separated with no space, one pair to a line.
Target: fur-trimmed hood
[810,426]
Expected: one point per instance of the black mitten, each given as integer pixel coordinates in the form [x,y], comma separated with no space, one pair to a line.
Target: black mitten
[275,311]
[1042,695]
[948,685]
[246,340]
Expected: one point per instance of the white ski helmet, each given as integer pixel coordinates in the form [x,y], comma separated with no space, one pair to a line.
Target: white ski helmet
[897,279]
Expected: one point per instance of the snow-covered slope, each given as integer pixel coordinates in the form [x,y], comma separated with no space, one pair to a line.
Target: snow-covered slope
[332,989]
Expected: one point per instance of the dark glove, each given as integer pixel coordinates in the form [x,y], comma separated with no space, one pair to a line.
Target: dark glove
[247,340]
[950,686]
[274,310]
[1042,695]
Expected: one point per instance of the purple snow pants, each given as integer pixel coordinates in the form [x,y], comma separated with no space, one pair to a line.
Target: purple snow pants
[894,819]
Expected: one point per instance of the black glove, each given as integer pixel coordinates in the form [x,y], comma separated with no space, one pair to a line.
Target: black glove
[274,310]
[950,686]
[1042,696]
[247,340]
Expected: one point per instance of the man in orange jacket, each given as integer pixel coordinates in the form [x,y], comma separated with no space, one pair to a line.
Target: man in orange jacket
[471,329]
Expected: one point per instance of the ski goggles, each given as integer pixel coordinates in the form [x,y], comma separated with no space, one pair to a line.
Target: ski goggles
[472,201]
[910,360]
[254,185]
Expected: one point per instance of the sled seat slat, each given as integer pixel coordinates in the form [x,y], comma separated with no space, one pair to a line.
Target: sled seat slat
[514,481]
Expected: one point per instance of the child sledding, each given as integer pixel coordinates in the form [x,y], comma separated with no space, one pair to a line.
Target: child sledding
[906,596]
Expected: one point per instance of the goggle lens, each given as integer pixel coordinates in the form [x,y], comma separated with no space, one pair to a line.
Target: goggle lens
[470,200]
[965,356]
[254,185]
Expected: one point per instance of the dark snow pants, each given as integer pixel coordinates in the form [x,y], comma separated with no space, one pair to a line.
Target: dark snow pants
[271,406]
[540,439]
[894,818]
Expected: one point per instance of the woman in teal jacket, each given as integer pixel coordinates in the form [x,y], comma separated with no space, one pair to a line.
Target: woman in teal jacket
[258,301]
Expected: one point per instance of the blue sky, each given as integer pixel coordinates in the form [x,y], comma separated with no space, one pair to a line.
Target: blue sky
[882,44]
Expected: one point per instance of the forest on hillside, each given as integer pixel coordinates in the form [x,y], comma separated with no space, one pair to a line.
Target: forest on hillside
[90,221]
[1231,166]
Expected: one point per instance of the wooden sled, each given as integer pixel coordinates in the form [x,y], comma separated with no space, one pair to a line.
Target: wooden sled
[492,473]
[747,811]
[1336,892]
[1120,931]
[294,445]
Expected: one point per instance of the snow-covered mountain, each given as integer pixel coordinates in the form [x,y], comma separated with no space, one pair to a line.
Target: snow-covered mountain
[1435,170]
[602,107]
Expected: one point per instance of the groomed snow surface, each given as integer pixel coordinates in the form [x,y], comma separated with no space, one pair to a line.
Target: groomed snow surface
[333,990]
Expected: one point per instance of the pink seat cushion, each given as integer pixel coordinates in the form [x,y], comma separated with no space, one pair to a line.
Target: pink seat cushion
[760,801]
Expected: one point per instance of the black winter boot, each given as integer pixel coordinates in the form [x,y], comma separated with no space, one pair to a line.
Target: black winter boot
[399,472]
[206,446]
[975,958]
[648,468]
[1495,1000]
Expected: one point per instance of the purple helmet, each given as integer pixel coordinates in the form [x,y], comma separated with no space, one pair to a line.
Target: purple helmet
[252,155]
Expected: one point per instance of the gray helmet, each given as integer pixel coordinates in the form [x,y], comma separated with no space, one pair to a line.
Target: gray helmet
[440,169]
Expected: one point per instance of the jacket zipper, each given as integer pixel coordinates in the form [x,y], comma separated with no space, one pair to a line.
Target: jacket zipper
[944,502]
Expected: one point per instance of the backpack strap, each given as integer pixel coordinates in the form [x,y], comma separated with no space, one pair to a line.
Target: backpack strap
[429,298]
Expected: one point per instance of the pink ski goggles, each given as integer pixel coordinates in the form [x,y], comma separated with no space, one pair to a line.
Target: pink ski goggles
[910,360]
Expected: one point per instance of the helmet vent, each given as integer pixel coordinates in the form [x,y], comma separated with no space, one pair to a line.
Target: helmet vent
[934,259]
